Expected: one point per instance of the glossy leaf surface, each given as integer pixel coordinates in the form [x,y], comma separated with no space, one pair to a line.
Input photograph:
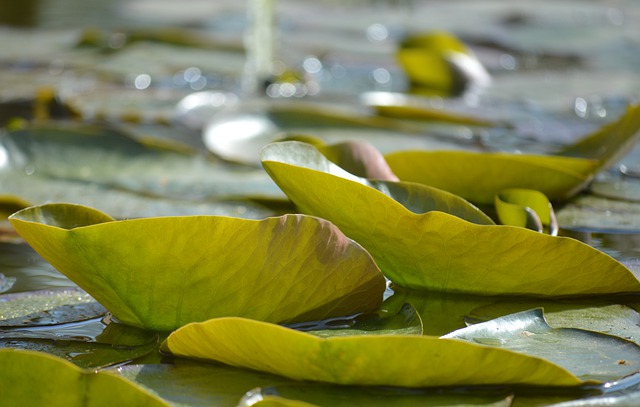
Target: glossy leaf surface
[439,251]
[586,354]
[162,273]
[397,360]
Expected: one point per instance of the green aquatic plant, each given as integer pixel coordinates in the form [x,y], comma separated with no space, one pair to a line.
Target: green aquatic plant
[161,273]
[421,246]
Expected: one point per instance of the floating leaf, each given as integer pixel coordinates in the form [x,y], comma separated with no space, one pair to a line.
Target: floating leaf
[526,208]
[404,106]
[87,344]
[588,355]
[161,273]
[303,161]
[438,251]
[48,307]
[609,143]
[599,316]
[185,383]
[335,396]
[478,177]
[108,157]
[38,379]
[404,322]
[394,360]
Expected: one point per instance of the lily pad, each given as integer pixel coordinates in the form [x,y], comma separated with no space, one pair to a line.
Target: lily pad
[438,251]
[478,177]
[304,160]
[40,379]
[88,344]
[394,360]
[588,355]
[161,273]
[185,383]
[337,396]
[404,322]
[48,307]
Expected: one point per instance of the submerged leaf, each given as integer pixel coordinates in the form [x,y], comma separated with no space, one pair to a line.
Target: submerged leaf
[588,355]
[395,360]
[161,273]
[38,379]
[438,251]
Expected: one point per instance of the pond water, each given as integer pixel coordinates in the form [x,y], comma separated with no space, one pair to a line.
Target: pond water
[559,70]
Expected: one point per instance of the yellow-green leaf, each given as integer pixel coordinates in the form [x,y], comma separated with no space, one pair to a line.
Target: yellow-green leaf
[397,360]
[162,273]
[37,379]
[439,251]
[478,177]
[526,208]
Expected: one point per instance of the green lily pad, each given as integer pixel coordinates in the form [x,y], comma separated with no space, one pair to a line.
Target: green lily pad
[404,322]
[438,251]
[393,360]
[108,157]
[611,319]
[185,383]
[332,395]
[588,355]
[161,273]
[88,344]
[48,307]
[38,379]
[478,177]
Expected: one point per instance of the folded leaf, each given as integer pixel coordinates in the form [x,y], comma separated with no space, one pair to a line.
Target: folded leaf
[396,360]
[161,273]
[526,208]
[439,251]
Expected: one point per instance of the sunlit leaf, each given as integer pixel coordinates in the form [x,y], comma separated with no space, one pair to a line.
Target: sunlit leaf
[395,360]
[478,177]
[38,379]
[303,161]
[586,354]
[162,273]
[526,208]
[438,251]
[609,143]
